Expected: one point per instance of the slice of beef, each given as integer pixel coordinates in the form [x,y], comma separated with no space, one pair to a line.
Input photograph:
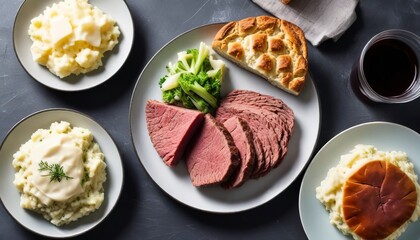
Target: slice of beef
[278,125]
[269,149]
[279,116]
[242,137]
[262,101]
[170,129]
[212,157]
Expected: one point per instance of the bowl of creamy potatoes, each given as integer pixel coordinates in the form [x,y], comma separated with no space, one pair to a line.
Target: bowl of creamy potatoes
[73,45]
[61,173]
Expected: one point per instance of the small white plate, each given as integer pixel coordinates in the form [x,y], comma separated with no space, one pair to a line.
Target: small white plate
[176,181]
[384,136]
[10,196]
[112,61]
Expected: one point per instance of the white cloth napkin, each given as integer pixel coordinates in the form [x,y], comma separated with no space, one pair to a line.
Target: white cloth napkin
[319,19]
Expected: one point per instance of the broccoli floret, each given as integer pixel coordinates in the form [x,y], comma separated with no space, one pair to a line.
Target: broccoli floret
[211,84]
[203,53]
[177,96]
[194,81]
[200,104]
[190,84]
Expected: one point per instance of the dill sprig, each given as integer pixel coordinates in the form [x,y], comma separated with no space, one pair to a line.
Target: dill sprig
[55,171]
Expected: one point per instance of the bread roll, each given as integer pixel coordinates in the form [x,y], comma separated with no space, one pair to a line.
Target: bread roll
[270,47]
[377,199]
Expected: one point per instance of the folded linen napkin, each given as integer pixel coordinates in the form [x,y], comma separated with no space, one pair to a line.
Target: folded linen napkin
[319,19]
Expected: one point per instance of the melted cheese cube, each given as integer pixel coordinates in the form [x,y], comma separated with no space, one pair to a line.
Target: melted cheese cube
[60,28]
[88,31]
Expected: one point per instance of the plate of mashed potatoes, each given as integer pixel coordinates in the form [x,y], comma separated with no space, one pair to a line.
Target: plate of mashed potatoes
[363,162]
[72,45]
[61,173]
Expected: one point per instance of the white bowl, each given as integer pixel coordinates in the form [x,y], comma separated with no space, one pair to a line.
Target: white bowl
[10,196]
[112,61]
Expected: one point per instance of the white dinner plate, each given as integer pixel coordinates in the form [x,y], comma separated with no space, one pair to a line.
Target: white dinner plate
[384,136]
[112,60]
[176,181]
[10,196]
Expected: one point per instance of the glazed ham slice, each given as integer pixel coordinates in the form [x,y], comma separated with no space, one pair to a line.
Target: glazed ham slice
[212,156]
[171,129]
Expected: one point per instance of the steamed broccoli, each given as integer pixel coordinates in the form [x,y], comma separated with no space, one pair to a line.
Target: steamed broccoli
[194,81]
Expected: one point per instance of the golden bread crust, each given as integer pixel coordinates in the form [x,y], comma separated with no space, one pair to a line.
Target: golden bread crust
[377,199]
[273,48]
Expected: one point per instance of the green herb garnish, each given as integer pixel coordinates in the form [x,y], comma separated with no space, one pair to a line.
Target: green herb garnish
[85,177]
[55,171]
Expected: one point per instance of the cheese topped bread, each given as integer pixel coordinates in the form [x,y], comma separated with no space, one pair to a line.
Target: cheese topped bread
[270,47]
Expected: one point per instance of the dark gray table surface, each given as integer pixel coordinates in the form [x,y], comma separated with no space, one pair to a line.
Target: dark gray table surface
[144,210]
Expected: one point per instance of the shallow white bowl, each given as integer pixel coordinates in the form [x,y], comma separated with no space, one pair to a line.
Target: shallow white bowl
[10,196]
[112,61]
[385,136]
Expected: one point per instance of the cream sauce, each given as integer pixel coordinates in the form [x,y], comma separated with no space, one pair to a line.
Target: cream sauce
[59,149]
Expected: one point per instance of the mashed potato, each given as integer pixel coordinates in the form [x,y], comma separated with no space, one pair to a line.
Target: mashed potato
[80,190]
[330,191]
[71,37]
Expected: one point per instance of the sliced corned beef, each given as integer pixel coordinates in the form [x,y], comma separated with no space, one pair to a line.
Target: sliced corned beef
[171,128]
[262,101]
[269,149]
[242,137]
[276,122]
[279,116]
[275,110]
[212,155]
